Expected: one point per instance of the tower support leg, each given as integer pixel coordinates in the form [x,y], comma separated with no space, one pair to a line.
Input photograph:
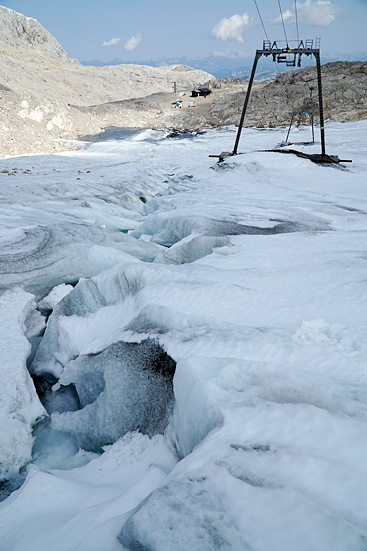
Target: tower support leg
[289,129]
[251,81]
[321,106]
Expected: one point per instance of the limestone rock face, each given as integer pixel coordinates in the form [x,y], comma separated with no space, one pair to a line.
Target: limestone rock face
[344,96]
[19,32]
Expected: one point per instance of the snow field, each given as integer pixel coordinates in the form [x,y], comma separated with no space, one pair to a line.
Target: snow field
[251,276]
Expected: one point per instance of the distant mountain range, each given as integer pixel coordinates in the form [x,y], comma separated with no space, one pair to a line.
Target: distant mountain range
[233,65]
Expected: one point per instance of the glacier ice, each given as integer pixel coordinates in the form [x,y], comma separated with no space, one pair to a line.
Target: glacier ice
[55,295]
[126,387]
[61,399]
[187,514]
[252,278]
[190,249]
[20,406]
[97,311]
[53,449]
[82,508]
[46,256]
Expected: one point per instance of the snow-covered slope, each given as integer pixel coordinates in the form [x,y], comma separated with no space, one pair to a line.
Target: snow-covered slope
[246,280]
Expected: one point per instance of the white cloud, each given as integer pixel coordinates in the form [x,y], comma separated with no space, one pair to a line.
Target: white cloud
[133,42]
[231,28]
[112,42]
[320,13]
[288,17]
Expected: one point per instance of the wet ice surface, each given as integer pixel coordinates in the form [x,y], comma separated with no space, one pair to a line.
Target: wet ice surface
[247,281]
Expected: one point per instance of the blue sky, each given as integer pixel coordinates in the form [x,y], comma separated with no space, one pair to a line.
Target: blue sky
[144,29]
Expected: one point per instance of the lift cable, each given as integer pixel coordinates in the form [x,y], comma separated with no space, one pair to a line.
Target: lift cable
[261,19]
[281,16]
[296,13]
[266,34]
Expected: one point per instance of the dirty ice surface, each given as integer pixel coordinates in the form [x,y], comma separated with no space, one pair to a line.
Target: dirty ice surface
[184,345]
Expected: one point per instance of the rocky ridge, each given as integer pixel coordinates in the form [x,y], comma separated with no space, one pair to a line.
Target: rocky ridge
[25,34]
[344,96]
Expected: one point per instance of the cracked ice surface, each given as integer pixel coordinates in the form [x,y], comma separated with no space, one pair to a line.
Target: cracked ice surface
[19,404]
[251,276]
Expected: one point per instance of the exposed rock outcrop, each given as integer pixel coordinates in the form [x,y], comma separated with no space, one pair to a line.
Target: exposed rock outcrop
[20,33]
[344,96]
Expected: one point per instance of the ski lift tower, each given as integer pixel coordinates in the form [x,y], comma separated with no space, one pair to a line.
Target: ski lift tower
[292,58]
[308,108]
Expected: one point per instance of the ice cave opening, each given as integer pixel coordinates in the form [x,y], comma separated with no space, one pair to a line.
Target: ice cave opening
[99,398]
